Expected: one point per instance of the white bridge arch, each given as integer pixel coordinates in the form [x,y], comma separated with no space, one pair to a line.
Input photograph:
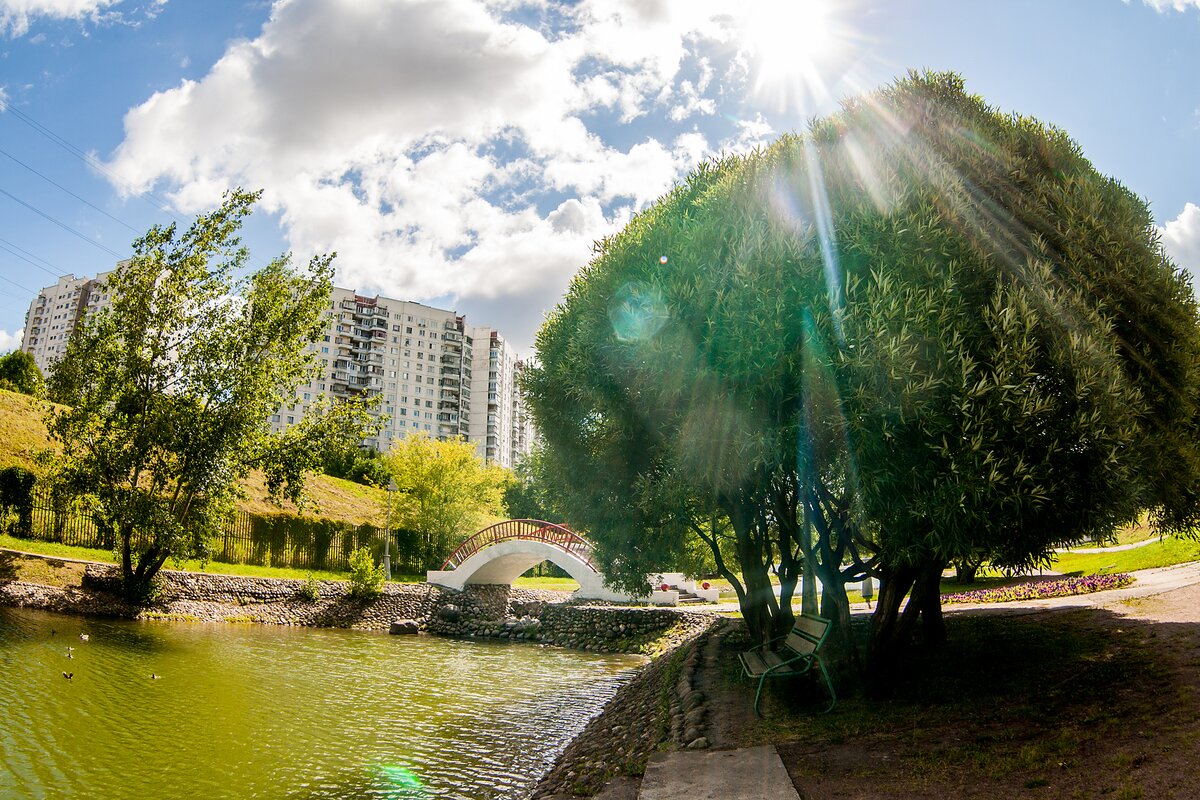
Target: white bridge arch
[503,552]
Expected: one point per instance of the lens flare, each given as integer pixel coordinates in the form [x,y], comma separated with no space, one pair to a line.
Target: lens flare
[400,783]
[637,312]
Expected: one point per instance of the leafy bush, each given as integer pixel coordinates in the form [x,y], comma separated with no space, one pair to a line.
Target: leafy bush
[311,590]
[16,496]
[1041,590]
[366,577]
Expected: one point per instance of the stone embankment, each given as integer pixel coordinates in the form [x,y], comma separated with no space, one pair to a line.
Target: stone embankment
[661,706]
[498,612]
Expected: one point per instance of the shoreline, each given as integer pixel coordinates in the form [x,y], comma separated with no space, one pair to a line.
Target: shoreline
[659,705]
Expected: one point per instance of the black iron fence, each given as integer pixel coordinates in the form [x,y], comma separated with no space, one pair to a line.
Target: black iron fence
[277,540]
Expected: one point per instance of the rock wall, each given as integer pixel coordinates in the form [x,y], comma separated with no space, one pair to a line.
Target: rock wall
[500,612]
[661,707]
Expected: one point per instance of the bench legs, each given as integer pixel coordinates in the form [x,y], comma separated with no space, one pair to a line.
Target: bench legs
[828,684]
[824,674]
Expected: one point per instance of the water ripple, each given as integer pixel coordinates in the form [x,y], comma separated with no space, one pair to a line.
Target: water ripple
[264,712]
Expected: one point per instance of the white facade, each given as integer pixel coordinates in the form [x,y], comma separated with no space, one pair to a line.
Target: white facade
[436,375]
[56,312]
[416,358]
[499,423]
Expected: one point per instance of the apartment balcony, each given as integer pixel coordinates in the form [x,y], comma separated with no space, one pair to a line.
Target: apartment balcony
[449,358]
[449,382]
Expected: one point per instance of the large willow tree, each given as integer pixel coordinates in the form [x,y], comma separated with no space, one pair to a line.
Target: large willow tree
[922,331]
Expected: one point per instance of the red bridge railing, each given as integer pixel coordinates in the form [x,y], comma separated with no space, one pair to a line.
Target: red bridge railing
[531,530]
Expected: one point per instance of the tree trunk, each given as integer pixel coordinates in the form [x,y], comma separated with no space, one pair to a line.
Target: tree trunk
[928,596]
[888,627]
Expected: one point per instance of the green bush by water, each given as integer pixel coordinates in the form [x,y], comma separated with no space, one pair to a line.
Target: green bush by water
[366,577]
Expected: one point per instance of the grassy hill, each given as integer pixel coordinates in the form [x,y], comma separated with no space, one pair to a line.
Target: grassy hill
[23,434]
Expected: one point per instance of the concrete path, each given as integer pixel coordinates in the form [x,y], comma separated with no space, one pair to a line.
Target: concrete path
[752,773]
[1116,548]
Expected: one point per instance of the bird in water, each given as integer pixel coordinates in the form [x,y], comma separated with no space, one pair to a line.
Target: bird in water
[154,677]
[68,675]
[84,637]
[69,653]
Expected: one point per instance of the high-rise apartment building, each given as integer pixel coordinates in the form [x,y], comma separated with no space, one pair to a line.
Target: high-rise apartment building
[493,381]
[434,373]
[417,359]
[55,313]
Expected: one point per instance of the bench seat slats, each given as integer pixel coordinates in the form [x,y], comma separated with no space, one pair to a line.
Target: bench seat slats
[801,644]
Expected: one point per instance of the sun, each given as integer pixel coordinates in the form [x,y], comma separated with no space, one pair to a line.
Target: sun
[788,44]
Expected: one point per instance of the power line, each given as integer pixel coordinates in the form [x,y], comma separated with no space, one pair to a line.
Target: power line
[62,224]
[68,191]
[54,270]
[87,158]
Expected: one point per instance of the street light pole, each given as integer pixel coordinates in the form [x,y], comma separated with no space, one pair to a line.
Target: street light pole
[387,532]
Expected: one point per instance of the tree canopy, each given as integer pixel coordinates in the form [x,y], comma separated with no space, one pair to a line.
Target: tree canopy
[445,492]
[922,330]
[168,393]
[20,373]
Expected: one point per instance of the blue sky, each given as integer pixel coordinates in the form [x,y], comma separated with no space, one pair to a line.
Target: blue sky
[467,153]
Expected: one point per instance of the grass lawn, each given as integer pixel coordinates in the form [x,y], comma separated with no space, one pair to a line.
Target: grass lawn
[211,568]
[1170,550]
[557,584]
[23,434]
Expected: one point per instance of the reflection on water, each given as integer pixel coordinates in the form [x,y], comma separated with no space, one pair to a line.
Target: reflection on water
[259,711]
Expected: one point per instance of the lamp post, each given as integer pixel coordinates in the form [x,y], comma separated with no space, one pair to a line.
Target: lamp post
[387,533]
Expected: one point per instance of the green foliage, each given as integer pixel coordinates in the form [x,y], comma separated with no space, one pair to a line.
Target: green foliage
[311,590]
[532,493]
[445,493]
[366,577]
[20,373]
[354,464]
[16,497]
[168,392]
[923,331]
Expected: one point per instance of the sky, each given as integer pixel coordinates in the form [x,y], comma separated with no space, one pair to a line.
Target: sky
[468,153]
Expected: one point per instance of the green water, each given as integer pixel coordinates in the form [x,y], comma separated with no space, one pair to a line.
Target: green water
[250,711]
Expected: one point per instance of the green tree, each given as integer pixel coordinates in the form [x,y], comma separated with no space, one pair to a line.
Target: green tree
[20,373]
[445,492]
[923,331]
[168,392]
[531,494]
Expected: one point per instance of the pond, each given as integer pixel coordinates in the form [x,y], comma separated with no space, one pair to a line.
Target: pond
[157,709]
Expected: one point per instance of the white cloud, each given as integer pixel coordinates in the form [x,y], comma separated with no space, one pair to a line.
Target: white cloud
[11,341]
[443,148]
[1162,6]
[1181,238]
[15,15]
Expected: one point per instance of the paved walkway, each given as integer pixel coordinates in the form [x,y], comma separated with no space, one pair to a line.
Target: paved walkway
[757,773]
[753,773]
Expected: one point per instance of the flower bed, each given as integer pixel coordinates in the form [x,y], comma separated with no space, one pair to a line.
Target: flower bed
[1040,590]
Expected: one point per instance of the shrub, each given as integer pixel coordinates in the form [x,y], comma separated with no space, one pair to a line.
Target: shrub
[311,590]
[366,577]
[16,495]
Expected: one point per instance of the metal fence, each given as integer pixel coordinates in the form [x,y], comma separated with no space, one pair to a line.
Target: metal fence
[277,540]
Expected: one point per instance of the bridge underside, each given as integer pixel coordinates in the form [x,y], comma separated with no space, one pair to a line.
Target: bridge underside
[504,562]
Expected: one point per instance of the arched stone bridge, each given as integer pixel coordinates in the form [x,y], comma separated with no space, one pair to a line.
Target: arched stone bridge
[503,552]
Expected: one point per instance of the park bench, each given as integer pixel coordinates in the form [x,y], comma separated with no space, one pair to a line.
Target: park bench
[792,654]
